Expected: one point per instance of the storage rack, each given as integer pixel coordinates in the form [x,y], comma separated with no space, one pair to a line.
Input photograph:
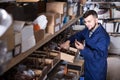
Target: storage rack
[15,60]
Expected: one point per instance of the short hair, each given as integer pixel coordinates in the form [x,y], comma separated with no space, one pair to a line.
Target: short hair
[90,12]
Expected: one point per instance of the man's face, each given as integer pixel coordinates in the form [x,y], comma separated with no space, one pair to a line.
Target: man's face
[91,22]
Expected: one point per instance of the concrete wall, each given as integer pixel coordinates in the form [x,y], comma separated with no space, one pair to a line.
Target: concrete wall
[113,72]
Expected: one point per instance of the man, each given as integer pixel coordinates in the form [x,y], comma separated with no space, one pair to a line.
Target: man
[95,50]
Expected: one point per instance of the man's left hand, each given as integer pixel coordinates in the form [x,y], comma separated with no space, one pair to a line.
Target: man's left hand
[79,45]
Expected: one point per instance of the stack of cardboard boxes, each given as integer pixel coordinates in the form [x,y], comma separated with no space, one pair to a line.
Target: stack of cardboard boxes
[55,12]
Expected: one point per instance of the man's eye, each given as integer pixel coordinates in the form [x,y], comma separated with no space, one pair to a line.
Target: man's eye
[87,21]
[84,22]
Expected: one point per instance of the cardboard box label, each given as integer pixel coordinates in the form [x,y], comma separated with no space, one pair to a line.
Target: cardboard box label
[57,20]
[57,28]
[65,9]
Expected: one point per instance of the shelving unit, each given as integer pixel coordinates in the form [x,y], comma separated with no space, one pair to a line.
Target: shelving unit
[102,2]
[106,3]
[6,66]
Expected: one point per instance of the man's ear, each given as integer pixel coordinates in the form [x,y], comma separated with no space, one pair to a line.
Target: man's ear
[96,20]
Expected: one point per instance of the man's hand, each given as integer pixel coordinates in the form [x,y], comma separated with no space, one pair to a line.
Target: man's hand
[65,45]
[79,45]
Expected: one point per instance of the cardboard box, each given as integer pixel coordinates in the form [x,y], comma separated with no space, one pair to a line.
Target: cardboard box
[8,56]
[54,20]
[62,20]
[104,15]
[57,7]
[83,2]
[68,55]
[17,50]
[53,28]
[74,68]
[79,63]
[63,17]
[43,61]
[18,42]
[115,13]
[65,71]
[8,37]
[28,39]
[39,35]
[18,38]
[72,10]
[109,27]
[35,64]
[50,57]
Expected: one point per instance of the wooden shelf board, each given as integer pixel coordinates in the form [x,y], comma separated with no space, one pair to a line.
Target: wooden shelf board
[27,0]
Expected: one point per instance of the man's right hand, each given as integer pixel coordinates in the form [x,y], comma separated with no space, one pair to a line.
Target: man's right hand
[65,45]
